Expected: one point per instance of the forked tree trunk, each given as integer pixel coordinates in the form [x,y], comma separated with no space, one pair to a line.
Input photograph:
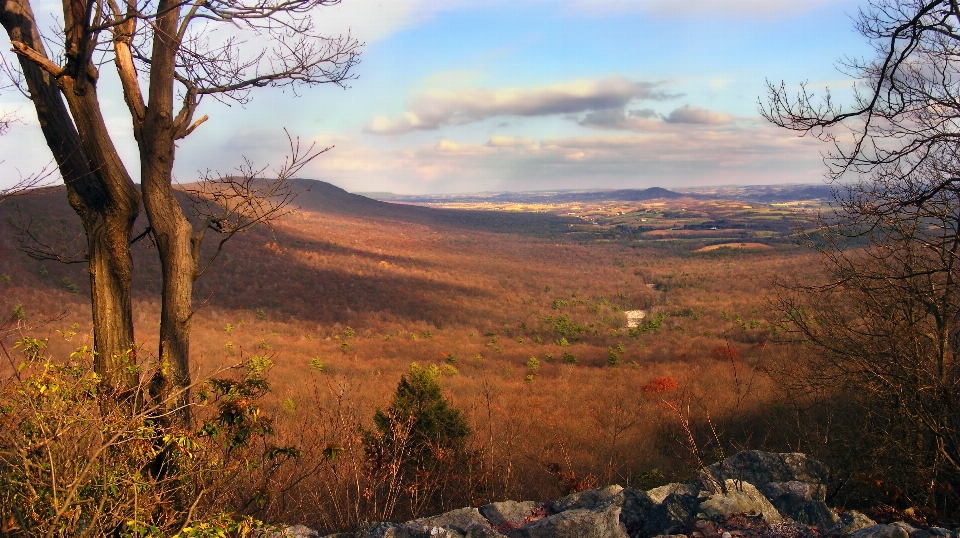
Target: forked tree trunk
[172,230]
[99,190]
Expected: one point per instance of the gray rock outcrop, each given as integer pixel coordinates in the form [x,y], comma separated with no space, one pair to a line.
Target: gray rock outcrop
[508,512]
[851,522]
[761,468]
[749,493]
[740,498]
[600,521]
[816,514]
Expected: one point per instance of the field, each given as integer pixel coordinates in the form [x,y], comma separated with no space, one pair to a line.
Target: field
[519,306]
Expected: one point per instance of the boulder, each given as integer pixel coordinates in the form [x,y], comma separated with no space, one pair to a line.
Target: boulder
[893,530]
[760,468]
[511,512]
[816,514]
[294,531]
[635,510]
[850,522]
[788,496]
[602,521]
[740,498]
[466,522]
[407,530]
[379,530]
[658,495]
[673,515]
[587,499]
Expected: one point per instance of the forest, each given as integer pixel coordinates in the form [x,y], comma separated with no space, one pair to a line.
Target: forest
[518,315]
[253,349]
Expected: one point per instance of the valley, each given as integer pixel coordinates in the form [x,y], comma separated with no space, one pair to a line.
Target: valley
[521,310]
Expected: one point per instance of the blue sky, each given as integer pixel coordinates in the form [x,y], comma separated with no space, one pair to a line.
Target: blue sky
[467,95]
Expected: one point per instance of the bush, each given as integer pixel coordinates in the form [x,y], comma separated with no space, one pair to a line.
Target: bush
[73,463]
[418,447]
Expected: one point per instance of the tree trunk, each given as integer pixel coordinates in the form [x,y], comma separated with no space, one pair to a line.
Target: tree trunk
[99,190]
[172,230]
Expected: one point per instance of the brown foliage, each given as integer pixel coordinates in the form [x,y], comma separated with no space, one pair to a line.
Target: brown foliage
[347,301]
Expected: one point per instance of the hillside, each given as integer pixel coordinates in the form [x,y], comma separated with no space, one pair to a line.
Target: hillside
[524,322]
[322,197]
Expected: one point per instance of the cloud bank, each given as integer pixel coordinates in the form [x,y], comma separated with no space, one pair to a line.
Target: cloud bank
[646,119]
[433,109]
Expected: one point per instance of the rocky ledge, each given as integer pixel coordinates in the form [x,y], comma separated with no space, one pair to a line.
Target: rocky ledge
[750,495]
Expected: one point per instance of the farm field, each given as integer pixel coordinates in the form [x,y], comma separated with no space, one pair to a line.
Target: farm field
[521,312]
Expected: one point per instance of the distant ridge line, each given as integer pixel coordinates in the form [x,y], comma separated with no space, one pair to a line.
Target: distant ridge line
[626,195]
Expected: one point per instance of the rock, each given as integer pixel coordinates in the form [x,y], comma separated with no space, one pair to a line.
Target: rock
[789,529]
[850,522]
[407,530]
[940,532]
[672,515]
[603,521]
[294,531]
[507,511]
[761,468]
[816,514]
[788,496]
[379,530]
[587,499]
[658,495]
[466,521]
[635,510]
[893,530]
[740,498]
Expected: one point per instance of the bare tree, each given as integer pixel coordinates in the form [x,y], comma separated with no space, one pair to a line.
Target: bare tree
[905,117]
[98,186]
[886,325]
[182,49]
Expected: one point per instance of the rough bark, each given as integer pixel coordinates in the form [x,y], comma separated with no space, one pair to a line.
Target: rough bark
[99,189]
[171,229]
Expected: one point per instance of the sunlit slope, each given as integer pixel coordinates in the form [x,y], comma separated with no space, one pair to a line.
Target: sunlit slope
[322,197]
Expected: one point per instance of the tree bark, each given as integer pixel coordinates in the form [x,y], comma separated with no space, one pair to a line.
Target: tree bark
[172,230]
[99,189]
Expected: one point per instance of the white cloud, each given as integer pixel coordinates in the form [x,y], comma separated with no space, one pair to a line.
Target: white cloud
[432,109]
[697,115]
[679,154]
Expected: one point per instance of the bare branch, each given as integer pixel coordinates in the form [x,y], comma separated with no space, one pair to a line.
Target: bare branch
[43,242]
[235,203]
[30,184]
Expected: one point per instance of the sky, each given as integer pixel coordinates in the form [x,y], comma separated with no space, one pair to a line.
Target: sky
[514,95]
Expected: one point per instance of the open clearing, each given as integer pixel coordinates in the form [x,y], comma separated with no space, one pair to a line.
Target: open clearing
[734,245]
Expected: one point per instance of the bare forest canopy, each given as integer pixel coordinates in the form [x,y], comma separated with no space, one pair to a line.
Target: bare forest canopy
[521,311]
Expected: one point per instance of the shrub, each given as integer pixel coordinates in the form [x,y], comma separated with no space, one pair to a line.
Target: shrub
[418,449]
[73,463]
[726,353]
[660,384]
[70,286]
